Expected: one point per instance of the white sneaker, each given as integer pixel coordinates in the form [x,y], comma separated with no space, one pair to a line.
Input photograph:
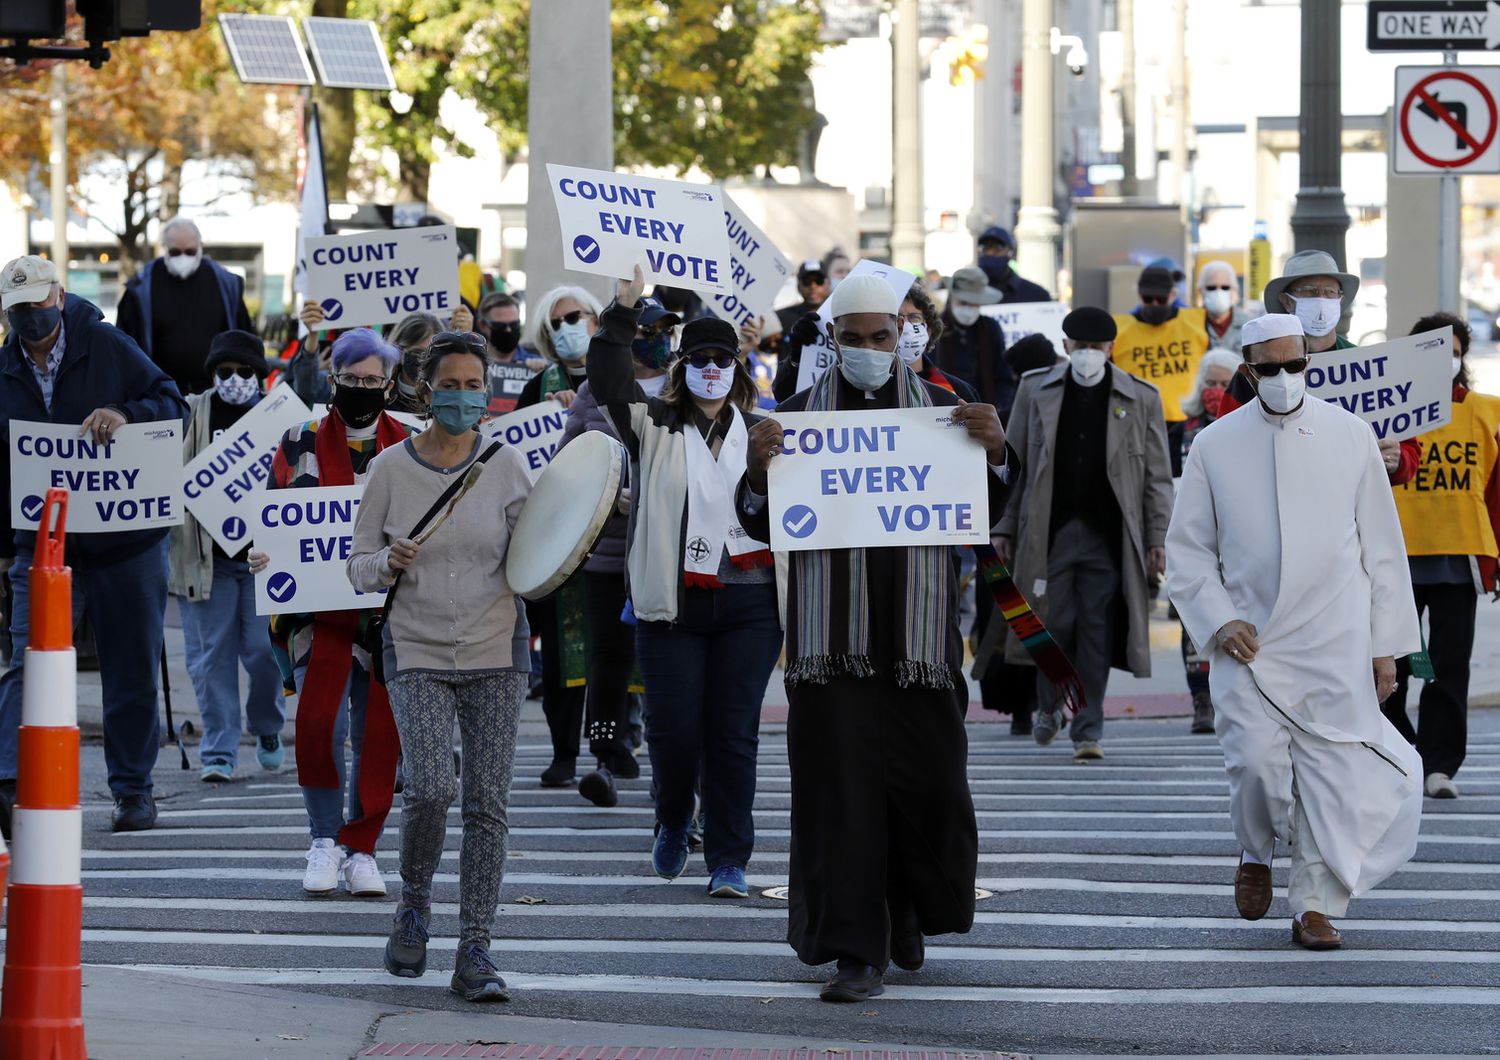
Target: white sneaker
[1440,786]
[362,877]
[324,859]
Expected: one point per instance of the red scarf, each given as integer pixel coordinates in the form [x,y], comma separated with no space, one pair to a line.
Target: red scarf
[936,377]
[328,670]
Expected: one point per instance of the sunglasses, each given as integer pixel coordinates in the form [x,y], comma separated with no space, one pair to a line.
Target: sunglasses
[568,318]
[1267,369]
[814,277]
[242,371]
[503,325]
[457,342]
[1155,299]
[177,252]
[717,358]
[1218,287]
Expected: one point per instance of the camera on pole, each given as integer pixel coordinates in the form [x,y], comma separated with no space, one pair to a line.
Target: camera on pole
[24,22]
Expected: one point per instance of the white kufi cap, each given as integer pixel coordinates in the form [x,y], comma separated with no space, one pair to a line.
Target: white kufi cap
[1270,326]
[863,294]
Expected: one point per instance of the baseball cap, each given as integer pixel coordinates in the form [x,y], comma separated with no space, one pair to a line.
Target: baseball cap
[28,278]
[1154,280]
[652,312]
[811,267]
[996,234]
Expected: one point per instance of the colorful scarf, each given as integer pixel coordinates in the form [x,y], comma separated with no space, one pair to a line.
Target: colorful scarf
[1027,625]
[828,595]
[322,693]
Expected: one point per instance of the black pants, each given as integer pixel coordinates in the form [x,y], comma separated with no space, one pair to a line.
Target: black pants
[1194,665]
[563,706]
[610,665]
[1441,735]
[1007,688]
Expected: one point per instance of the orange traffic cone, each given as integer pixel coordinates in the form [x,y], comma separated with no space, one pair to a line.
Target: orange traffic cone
[42,1011]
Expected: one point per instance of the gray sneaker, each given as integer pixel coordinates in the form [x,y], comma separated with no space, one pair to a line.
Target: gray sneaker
[476,978]
[406,949]
[1047,724]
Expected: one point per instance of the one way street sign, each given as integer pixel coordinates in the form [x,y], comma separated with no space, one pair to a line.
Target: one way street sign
[1433,25]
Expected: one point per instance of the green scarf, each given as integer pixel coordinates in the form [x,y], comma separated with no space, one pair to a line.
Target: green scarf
[828,595]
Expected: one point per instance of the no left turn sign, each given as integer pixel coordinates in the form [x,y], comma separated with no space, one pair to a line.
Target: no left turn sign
[1446,120]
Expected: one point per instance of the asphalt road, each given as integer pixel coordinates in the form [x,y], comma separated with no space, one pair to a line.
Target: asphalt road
[1111,927]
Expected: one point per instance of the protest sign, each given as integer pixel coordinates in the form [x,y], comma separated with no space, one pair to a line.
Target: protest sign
[1401,388]
[219,482]
[876,479]
[612,222]
[535,430]
[308,534]
[818,357]
[1019,319]
[368,278]
[757,271]
[131,482]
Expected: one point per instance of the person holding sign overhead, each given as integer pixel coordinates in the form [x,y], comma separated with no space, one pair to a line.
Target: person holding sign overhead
[884,841]
[321,655]
[63,364]
[216,591]
[1450,517]
[703,589]
[432,532]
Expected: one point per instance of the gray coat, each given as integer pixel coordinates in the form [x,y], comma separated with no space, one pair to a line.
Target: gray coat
[1140,476]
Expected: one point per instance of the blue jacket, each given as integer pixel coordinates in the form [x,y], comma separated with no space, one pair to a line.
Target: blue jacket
[135,308]
[101,367]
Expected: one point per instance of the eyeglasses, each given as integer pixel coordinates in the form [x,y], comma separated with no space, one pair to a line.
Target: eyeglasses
[177,252]
[717,358]
[226,372]
[914,318]
[1266,369]
[570,318]
[360,382]
[457,342]
[1317,292]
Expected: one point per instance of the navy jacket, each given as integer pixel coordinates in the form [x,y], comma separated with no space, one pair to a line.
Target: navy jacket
[101,367]
[134,314]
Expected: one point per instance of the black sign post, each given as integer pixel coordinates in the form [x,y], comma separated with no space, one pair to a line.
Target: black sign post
[1433,26]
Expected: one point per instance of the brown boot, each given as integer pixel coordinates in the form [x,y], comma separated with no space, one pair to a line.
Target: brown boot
[1203,713]
[1314,932]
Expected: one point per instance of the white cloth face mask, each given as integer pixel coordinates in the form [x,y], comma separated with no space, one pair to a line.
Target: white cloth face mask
[184,265]
[236,390]
[1218,302]
[866,369]
[1458,366]
[913,342]
[1087,364]
[1319,316]
[965,314]
[710,382]
[1282,392]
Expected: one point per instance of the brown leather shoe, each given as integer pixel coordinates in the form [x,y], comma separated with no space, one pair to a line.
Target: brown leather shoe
[1314,932]
[1252,890]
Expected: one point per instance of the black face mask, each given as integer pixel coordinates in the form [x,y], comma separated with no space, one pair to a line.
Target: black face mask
[33,322]
[506,337]
[358,406]
[1155,314]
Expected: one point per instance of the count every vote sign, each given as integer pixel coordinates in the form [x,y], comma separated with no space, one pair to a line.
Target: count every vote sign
[367,278]
[877,479]
[308,535]
[612,222]
[1401,388]
[131,482]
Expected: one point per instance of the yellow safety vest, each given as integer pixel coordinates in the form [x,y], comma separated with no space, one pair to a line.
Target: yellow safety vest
[1165,355]
[1442,508]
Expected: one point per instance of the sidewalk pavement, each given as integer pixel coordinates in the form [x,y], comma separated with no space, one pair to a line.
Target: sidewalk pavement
[1163,694]
[130,1014]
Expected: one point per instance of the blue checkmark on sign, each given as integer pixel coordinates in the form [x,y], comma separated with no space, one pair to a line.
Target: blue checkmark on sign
[234,528]
[31,507]
[799,521]
[587,249]
[281,587]
[332,309]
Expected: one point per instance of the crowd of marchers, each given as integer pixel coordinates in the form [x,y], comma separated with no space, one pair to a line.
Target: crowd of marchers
[1166,461]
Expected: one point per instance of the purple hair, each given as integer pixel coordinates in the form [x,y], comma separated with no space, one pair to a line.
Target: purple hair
[354,346]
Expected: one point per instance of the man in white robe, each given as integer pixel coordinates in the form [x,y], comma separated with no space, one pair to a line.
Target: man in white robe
[1286,562]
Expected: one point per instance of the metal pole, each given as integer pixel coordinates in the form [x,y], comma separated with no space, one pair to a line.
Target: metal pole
[908,234]
[1036,227]
[1179,110]
[1450,229]
[1125,14]
[1320,218]
[57,160]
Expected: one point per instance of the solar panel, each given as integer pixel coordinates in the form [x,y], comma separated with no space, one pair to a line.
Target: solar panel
[349,53]
[265,50]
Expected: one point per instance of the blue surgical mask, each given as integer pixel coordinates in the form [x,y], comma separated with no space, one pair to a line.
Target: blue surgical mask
[571,341]
[457,411]
[33,322]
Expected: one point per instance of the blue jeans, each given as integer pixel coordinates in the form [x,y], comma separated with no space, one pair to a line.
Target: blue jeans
[128,602]
[222,632]
[325,806]
[705,679]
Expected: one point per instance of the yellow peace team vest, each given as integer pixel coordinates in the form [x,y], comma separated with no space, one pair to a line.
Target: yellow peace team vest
[1442,509]
[1164,355]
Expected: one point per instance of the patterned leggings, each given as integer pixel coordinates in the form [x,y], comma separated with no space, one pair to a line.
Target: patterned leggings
[487,705]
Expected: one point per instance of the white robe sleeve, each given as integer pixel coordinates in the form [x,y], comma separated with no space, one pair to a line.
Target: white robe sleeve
[1394,627]
[1194,581]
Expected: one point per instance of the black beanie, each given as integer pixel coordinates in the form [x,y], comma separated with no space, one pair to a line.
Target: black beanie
[239,346]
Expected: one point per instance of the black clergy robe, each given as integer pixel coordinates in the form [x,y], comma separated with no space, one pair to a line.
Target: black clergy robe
[884,841]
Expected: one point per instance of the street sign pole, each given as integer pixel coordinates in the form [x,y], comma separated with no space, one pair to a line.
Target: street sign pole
[1450,229]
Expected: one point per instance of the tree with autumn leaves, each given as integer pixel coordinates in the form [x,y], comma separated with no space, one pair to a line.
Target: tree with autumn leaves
[717,85]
